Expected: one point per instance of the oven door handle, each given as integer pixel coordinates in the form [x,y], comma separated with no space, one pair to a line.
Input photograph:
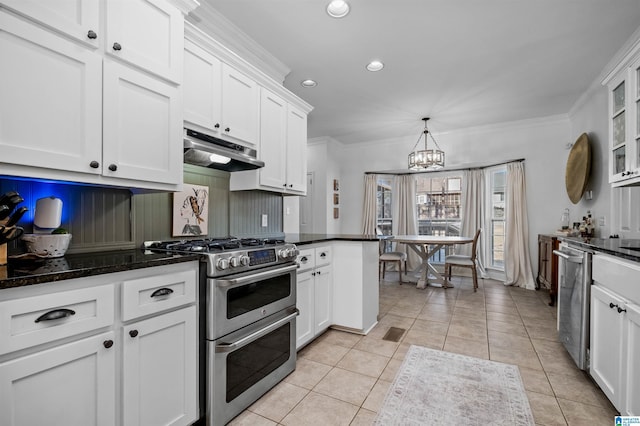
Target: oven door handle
[230,347]
[251,278]
[568,257]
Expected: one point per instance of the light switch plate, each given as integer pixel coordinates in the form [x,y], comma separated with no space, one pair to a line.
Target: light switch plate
[264,220]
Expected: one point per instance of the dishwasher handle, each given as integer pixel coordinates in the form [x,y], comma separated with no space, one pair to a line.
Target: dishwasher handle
[568,257]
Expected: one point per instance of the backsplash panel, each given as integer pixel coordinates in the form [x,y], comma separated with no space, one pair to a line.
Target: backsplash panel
[114,218]
[246,210]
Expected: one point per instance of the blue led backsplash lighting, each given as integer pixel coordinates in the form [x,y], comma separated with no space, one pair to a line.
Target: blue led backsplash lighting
[33,189]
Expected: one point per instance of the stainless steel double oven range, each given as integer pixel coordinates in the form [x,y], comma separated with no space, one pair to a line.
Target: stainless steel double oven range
[247,319]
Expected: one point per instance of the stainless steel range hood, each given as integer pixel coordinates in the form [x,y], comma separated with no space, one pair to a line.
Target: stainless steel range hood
[208,151]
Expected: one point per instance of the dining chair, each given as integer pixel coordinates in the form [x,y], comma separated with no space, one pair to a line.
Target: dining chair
[390,256]
[464,262]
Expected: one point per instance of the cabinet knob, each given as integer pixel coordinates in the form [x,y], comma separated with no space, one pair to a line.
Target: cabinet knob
[620,310]
[133,333]
[113,167]
[217,126]
[227,130]
[290,185]
[107,343]
[92,35]
[117,46]
[94,164]
[611,306]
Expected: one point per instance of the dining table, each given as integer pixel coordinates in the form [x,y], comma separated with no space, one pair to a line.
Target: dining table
[426,246]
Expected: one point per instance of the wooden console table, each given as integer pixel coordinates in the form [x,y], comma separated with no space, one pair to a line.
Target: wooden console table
[548,265]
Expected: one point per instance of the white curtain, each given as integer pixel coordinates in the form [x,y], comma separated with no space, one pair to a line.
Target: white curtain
[369,210]
[517,262]
[473,207]
[403,204]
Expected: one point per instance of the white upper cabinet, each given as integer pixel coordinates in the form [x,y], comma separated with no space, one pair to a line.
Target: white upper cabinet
[79,19]
[201,88]
[51,103]
[218,99]
[148,34]
[296,150]
[283,148]
[142,129]
[72,112]
[624,124]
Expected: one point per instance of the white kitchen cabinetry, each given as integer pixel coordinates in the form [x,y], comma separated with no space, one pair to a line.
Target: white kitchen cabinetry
[314,293]
[58,83]
[63,349]
[71,384]
[355,289]
[148,34]
[79,19]
[218,99]
[615,331]
[624,122]
[283,148]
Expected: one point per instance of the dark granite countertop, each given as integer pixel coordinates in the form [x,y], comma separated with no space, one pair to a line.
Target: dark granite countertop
[302,239]
[619,247]
[22,272]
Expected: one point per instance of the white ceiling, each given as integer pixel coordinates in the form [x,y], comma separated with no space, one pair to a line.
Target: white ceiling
[464,63]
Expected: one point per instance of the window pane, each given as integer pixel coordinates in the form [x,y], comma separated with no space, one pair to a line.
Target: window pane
[618,98]
[497,205]
[438,208]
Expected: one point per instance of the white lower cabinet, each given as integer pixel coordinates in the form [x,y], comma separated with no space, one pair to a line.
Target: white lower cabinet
[160,370]
[615,331]
[314,294]
[72,384]
[71,355]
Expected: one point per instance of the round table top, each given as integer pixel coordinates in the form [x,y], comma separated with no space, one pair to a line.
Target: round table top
[431,239]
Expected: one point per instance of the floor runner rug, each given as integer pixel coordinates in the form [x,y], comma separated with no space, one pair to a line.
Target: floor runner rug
[436,388]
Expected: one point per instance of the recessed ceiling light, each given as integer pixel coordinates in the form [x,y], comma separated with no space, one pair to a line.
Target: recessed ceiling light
[338,8]
[308,83]
[375,66]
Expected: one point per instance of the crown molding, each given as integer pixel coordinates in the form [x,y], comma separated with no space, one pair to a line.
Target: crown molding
[623,57]
[220,28]
[185,6]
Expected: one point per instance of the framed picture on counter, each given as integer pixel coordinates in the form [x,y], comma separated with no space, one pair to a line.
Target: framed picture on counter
[336,199]
[336,213]
[336,185]
[191,211]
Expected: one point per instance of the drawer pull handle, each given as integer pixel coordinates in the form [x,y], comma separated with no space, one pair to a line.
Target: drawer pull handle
[107,343]
[161,292]
[323,254]
[56,314]
[303,259]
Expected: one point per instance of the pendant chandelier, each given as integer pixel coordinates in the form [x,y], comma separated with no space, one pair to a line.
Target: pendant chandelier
[426,159]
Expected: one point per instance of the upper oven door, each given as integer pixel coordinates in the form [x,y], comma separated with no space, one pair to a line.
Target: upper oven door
[242,299]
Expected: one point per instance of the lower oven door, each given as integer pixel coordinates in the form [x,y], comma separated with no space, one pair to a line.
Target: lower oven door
[238,300]
[244,365]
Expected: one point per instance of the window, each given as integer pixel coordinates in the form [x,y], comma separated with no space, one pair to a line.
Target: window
[438,208]
[384,220]
[497,186]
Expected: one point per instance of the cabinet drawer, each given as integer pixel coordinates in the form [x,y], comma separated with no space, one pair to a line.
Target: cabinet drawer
[306,259]
[323,255]
[35,320]
[150,295]
[618,275]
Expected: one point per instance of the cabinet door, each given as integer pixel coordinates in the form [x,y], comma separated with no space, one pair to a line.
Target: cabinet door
[304,303]
[202,88]
[606,342]
[273,140]
[142,126]
[323,295]
[148,34]
[296,150]
[76,18]
[618,116]
[51,100]
[160,370]
[631,369]
[73,384]
[240,106]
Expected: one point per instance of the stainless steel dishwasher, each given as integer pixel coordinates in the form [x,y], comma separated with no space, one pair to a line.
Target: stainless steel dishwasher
[574,294]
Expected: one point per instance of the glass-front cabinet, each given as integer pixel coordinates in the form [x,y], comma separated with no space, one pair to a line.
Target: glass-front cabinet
[624,125]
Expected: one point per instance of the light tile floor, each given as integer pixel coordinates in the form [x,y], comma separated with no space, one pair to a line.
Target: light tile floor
[342,378]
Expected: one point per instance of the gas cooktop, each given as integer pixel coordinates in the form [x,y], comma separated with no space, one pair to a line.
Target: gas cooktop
[212,245]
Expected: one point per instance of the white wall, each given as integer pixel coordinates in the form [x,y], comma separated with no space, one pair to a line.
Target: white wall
[323,160]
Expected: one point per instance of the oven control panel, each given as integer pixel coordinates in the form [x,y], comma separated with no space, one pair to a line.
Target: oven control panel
[261,257]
